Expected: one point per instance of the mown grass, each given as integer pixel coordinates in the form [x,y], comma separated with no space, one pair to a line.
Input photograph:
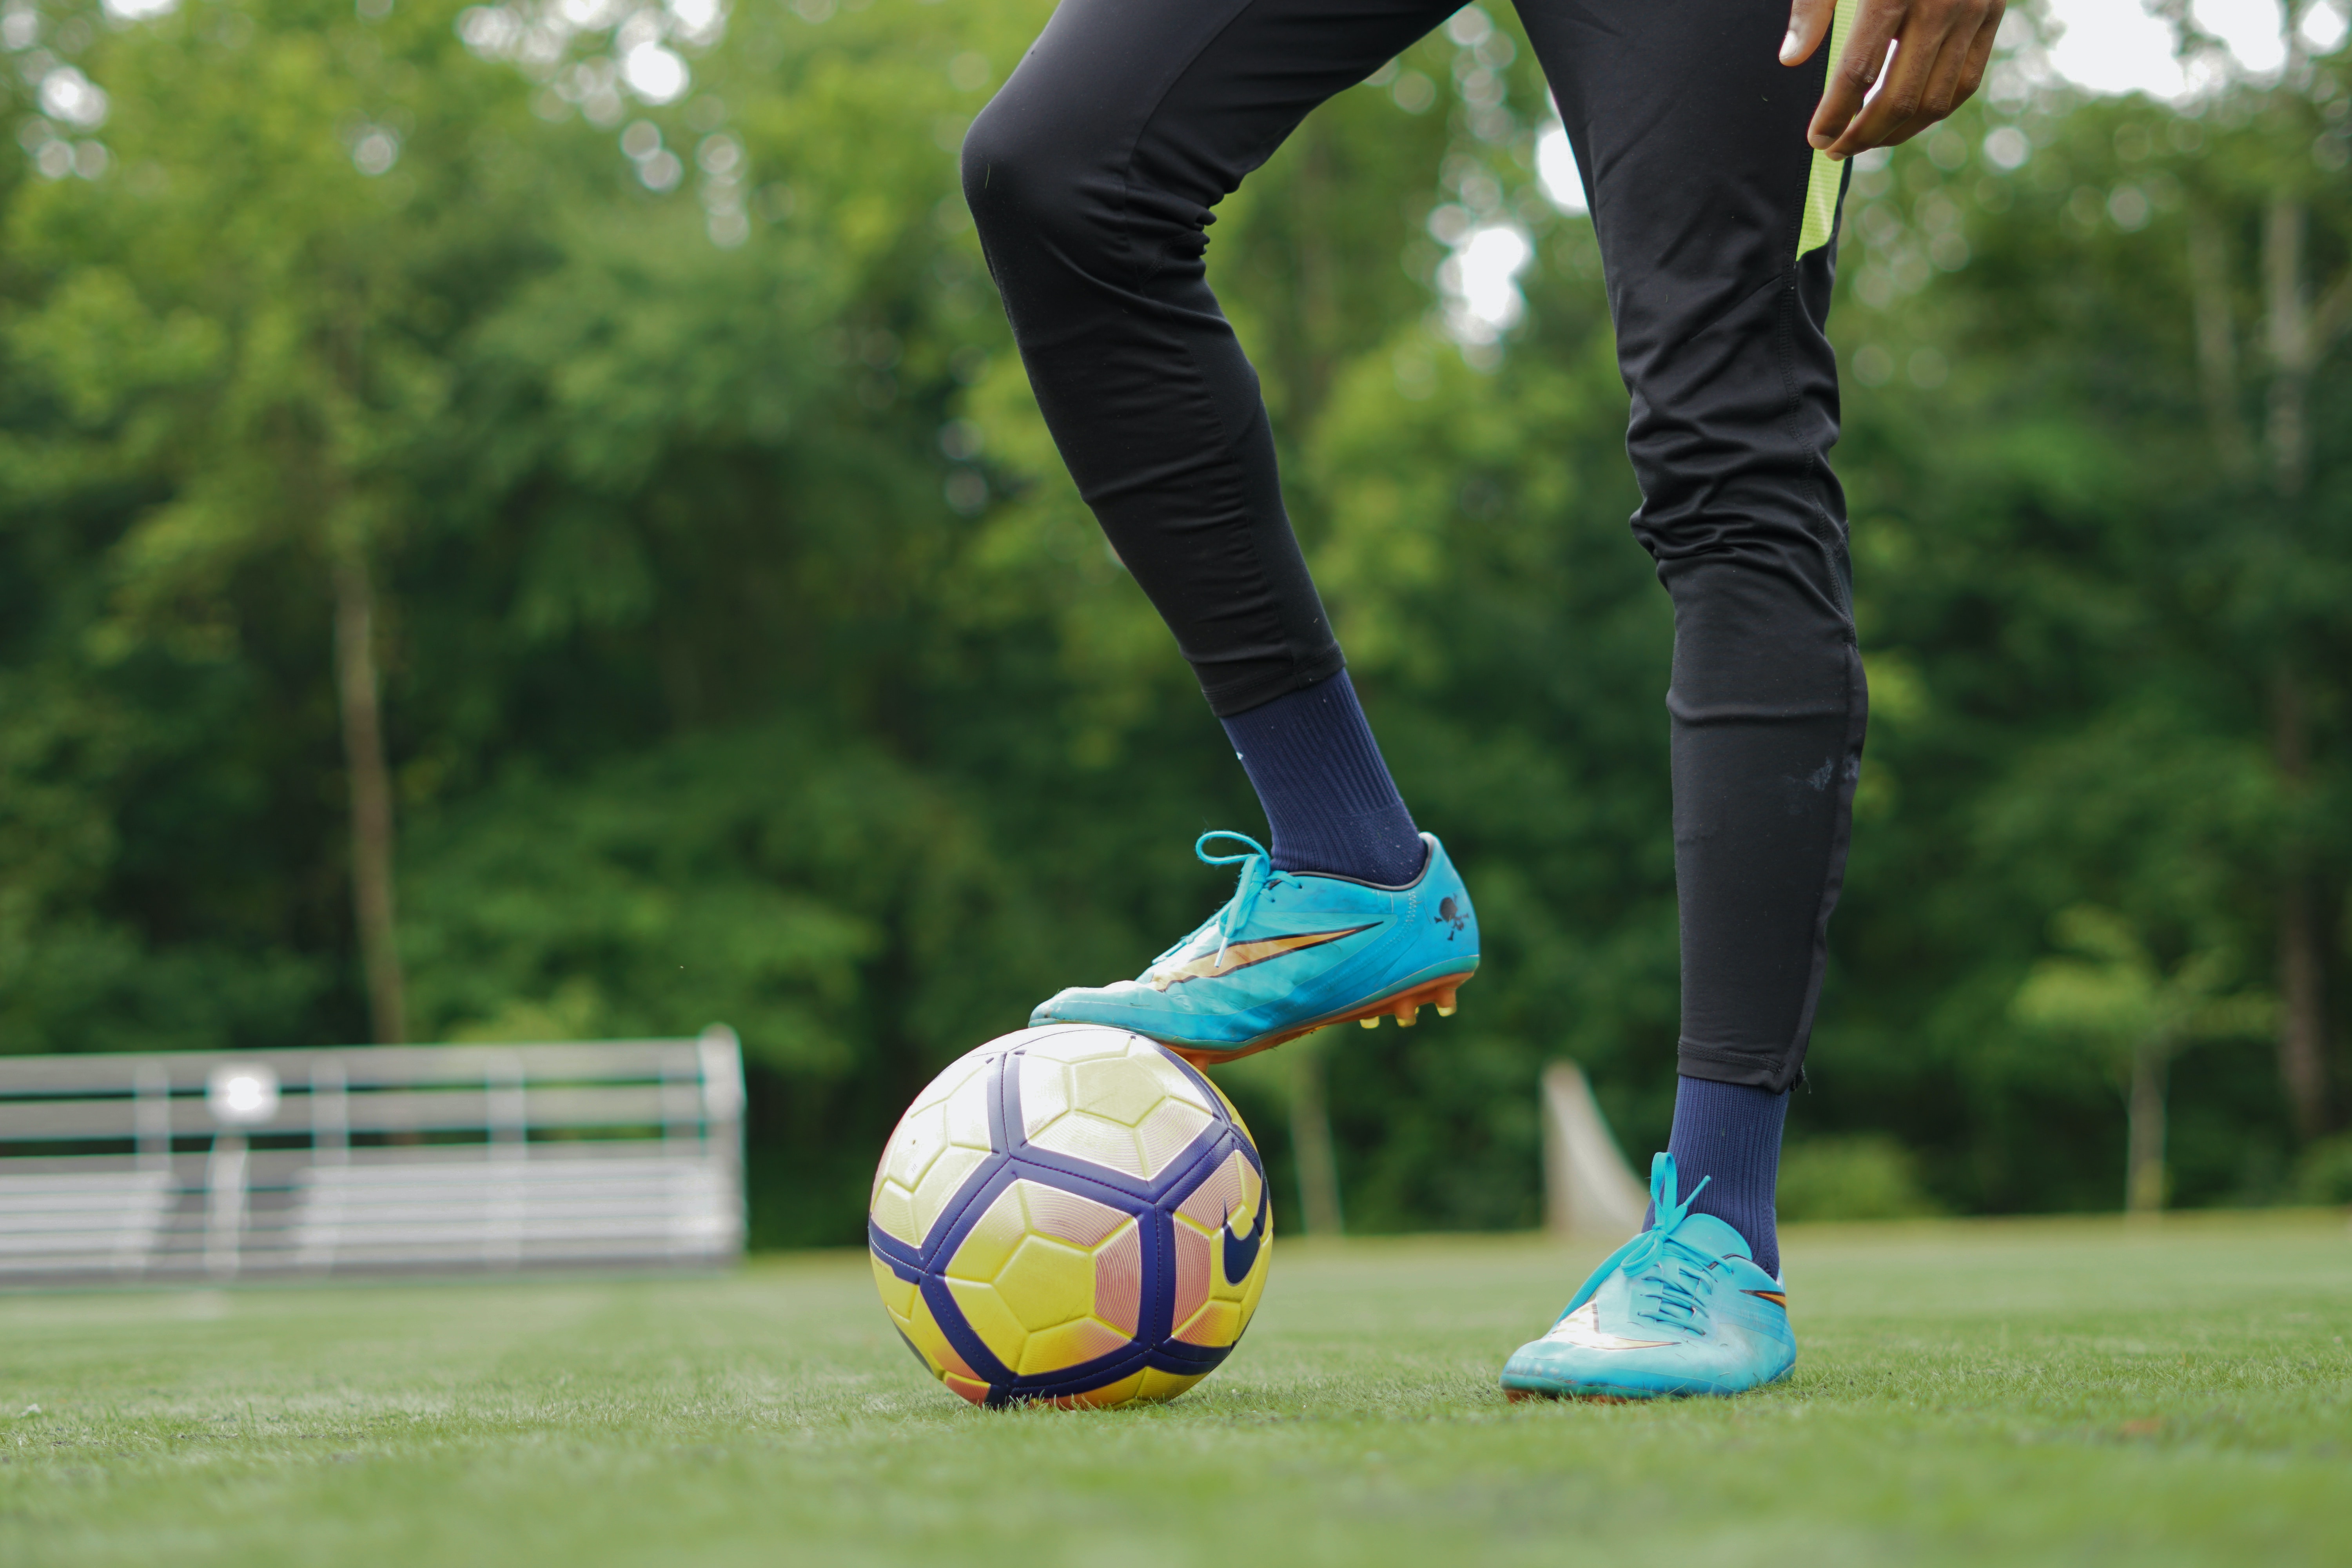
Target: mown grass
[2063,1392]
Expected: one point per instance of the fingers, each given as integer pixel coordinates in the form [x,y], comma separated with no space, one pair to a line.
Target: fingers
[1853,74]
[1903,95]
[1809,23]
[1960,67]
[1942,81]
[1941,49]
[1980,53]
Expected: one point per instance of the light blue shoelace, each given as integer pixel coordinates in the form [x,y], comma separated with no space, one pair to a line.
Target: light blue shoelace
[1257,873]
[1670,1277]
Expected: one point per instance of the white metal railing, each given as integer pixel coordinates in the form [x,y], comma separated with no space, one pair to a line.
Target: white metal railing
[426,1158]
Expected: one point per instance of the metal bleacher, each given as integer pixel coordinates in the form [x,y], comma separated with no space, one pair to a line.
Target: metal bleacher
[439,1159]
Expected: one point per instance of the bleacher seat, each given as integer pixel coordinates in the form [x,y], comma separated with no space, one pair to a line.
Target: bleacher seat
[418,1158]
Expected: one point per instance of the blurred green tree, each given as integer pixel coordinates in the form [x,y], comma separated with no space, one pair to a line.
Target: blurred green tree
[622,383]
[2111,993]
[249,320]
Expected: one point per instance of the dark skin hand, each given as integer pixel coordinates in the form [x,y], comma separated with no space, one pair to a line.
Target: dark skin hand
[1940,48]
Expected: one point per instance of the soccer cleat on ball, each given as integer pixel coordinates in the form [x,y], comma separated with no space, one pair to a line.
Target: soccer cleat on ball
[1680,1308]
[1070,1215]
[1290,952]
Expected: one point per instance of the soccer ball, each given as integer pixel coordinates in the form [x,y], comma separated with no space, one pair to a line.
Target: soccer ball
[1070,1215]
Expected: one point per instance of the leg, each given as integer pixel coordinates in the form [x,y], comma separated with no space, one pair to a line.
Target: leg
[1702,188]
[1716,221]
[1092,176]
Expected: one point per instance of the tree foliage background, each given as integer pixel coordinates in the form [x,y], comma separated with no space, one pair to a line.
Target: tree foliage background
[588,426]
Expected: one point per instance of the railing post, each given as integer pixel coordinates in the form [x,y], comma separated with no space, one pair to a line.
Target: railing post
[239,1095]
[330,1112]
[223,1204]
[723,1101]
[506,1110]
[150,1121]
[151,1115]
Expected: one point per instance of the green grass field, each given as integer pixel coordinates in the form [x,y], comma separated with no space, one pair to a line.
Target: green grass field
[2060,1391]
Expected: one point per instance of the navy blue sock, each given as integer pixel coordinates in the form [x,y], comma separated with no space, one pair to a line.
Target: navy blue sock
[1732,1134]
[1327,793]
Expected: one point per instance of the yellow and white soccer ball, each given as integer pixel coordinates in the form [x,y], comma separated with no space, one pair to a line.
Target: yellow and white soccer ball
[1071,1215]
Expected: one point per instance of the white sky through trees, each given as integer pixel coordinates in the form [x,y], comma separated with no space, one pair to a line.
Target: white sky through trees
[2105,46]
[2116,46]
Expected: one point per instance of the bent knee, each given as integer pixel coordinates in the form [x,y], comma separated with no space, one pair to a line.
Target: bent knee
[989,145]
[1036,182]
[1021,179]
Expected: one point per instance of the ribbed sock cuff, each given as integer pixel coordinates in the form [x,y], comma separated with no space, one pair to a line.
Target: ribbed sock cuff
[1732,1134]
[1327,791]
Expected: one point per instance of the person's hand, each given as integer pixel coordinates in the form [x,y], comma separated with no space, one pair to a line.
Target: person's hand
[1940,48]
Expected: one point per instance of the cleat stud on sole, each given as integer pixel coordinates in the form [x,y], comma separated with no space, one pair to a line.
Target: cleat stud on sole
[1372,1023]
[1407,1017]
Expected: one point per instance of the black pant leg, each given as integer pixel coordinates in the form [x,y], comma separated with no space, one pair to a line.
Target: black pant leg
[1691,137]
[1092,176]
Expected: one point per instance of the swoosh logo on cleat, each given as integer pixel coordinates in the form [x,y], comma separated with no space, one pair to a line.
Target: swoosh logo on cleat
[1240,1257]
[1242,954]
[1778,1298]
[1583,1329]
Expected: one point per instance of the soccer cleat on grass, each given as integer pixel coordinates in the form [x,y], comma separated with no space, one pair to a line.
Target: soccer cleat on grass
[1290,952]
[1680,1308]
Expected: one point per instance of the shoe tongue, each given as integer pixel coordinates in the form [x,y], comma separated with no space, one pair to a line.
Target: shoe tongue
[1710,1235]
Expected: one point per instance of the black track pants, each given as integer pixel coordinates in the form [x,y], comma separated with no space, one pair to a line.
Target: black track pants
[1092,176]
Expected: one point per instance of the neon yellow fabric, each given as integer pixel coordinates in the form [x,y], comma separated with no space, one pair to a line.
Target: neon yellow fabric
[1821,191]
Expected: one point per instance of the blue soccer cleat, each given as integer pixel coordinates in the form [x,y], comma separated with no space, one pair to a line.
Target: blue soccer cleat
[1680,1308]
[1290,952]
